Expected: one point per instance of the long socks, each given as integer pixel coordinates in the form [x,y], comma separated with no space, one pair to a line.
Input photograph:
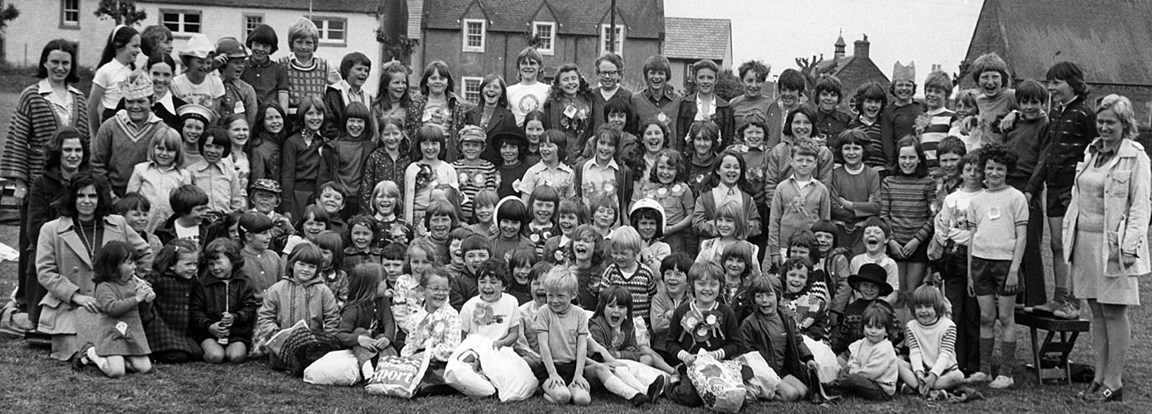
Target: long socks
[1007,358]
[986,348]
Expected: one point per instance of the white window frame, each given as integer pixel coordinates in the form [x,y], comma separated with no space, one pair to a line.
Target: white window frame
[323,26]
[245,27]
[65,23]
[471,96]
[182,21]
[619,38]
[483,35]
[551,49]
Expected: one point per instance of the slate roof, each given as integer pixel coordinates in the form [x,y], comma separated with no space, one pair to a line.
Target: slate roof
[349,6]
[691,38]
[1107,38]
[644,18]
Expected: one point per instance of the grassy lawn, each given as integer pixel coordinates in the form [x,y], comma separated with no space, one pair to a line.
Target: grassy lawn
[33,382]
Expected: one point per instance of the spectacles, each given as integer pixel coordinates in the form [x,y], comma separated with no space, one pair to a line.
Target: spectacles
[608,72]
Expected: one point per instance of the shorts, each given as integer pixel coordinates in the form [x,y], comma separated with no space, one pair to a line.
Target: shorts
[566,371]
[918,256]
[1056,200]
[988,276]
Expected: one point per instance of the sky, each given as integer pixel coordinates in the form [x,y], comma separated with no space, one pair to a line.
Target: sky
[778,31]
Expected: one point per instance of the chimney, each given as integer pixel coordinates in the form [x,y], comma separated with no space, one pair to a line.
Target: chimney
[936,67]
[861,50]
[840,47]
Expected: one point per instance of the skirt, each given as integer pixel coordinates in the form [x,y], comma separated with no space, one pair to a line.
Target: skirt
[1088,280]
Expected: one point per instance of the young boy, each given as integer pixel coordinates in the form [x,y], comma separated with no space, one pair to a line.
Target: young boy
[659,100]
[870,284]
[134,208]
[492,314]
[674,271]
[763,332]
[647,217]
[790,95]
[475,250]
[899,118]
[627,271]
[1027,139]
[830,119]
[392,257]
[753,103]
[239,96]
[476,174]
[529,95]
[954,235]
[268,78]
[330,196]
[870,101]
[483,212]
[934,124]
[456,256]
[361,231]
[875,251]
[798,202]
[262,266]
[686,341]
[999,220]
[189,204]
[604,210]
[527,345]
[562,333]
[308,74]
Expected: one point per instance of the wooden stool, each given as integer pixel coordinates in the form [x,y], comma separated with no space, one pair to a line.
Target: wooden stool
[1054,347]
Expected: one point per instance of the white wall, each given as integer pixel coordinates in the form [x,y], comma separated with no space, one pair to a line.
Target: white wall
[39,22]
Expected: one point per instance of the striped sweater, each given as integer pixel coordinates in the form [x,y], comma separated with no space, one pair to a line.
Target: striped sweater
[906,202]
[876,158]
[32,126]
[641,284]
[307,80]
[932,348]
[939,122]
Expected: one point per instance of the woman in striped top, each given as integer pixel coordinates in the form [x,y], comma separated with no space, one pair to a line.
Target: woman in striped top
[906,201]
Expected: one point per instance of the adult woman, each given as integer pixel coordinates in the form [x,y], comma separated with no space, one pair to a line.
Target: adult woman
[438,104]
[569,109]
[41,110]
[1106,238]
[123,140]
[64,261]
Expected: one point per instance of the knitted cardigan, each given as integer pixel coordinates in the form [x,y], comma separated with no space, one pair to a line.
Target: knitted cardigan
[32,126]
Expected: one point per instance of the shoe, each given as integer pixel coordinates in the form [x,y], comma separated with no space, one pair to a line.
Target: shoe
[907,389]
[1092,389]
[1070,310]
[656,389]
[1047,308]
[81,358]
[1002,381]
[639,399]
[1108,395]
[976,377]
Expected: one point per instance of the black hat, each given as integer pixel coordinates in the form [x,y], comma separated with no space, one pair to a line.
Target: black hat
[512,134]
[871,272]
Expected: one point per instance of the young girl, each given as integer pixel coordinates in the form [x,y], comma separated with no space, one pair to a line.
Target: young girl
[571,214]
[726,184]
[313,221]
[805,297]
[705,143]
[731,228]
[216,175]
[534,130]
[520,285]
[173,278]
[157,177]
[833,261]
[870,100]
[476,174]
[854,188]
[604,214]
[299,296]
[439,221]
[602,175]
[386,163]
[872,371]
[549,170]
[587,263]
[512,220]
[739,263]
[300,159]
[542,207]
[332,247]
[931,343]
[195,86]
[268,136]
[905,201]
[666,185]
[703,324]
[194,120]
[331,196]
[434,327]
[408,292]
[647,217]
[351,151]
[491,114]
[262,266]
[484,210]
[238,133]
[437,105]
[361,233]
[390,228]
[770,329]
[674,277]
[430,172]
[115,67]
[798,129]
[951,239]
[121,344]
[643,159]
[223,304]
[755,151]
[616,116]
[569,108]
[366,323]
[529,95]
[624,339]
[513,147]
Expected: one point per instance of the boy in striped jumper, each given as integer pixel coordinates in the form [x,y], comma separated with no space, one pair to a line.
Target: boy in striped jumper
[625,244]
[934,124]
[931,344]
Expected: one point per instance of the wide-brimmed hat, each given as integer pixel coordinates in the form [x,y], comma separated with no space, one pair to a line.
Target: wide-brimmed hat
[512,135]
[871,272]
[198,46]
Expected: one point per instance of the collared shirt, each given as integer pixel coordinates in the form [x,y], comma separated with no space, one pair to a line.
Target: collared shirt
[598,179]
[723,194]
[1103,151]
[705,108]
[267,79]
[362,96]
[62,106]
[559,178]
[221,183]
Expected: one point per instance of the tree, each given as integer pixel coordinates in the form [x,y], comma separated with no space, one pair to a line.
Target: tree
[400,48]
[121,11]
[728,85]
[9,13]
[811,70]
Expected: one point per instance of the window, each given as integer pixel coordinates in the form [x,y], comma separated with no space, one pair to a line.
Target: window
[474,35]
[70,14]
[472,88]
[181,21]
[546,31]
[332,29]
[250,23]
[604,39]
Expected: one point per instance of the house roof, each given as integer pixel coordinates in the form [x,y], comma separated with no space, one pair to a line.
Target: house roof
[576,17]
[824,65]
[348,6]
[691,38]
[1107,38]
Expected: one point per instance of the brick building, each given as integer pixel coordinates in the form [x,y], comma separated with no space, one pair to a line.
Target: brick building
[852,70]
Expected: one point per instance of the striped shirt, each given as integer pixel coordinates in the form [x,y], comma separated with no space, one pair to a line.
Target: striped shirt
[939,122]
[877,158]
[480,175]
[906,202]
[641,284]
[932,348]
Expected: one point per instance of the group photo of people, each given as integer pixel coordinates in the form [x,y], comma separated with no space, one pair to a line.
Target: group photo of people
[566,238]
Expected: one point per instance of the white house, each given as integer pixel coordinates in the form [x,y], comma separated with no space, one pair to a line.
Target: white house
[345,25]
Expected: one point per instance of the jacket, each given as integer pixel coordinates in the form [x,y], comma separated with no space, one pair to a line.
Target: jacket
[167,232]
[372,319]
[452,136]
[289,301]
[211,297]
[1127,209]
[169,326]
[64,268]
[704,213]
[501,119]
[722,116]
[754,337]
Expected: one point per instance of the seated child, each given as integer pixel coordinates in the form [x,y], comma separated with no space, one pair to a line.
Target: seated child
[806,299]
[674,291]
[434,327]
[571,214]
[313,220]
[361,232]
[492,313]
[169,331]
[135,209]
[587,263]
[391,227]
[626,271]
[407,289]
[875,251]
[931,344]
[474,251]
[366,323]
[614,328]
[440,218]
[871,372]
[870,284]
[763,331]
[738,275]
[542,207]
[647,217]
[189,204]
[527,345]
[330,196]
[262,267]
[520,284]
[685,340]
[223,304]
[331,245]
[300,296]
[392,258]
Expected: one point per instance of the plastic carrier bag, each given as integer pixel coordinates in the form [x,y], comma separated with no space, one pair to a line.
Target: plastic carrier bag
[398,376]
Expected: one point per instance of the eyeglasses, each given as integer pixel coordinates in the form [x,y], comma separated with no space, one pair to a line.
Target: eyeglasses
[608,72]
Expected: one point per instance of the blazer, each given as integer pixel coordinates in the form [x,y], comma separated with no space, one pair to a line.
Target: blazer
[722,116]
[502,118]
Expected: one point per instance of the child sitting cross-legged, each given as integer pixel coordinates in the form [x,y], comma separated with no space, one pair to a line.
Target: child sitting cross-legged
[931,344]
[763,332]
[527,345]
[492,313]
[366,323]
[806,298]
[674,274]
[435,327]
[685,340]
[871,372]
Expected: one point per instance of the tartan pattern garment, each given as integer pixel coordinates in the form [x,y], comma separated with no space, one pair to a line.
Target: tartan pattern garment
[302,348]
[642,286]
[169,328]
